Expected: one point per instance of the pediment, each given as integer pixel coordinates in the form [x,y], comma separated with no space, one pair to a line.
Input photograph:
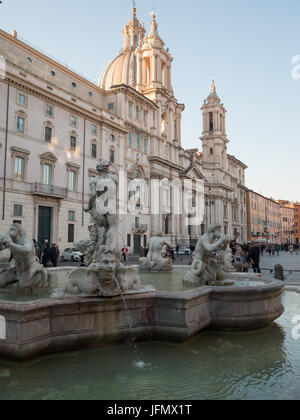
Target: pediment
[193,172]
[49,156]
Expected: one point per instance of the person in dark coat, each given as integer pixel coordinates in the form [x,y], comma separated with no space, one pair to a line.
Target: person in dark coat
[53,255]
[254,258]
[46,255]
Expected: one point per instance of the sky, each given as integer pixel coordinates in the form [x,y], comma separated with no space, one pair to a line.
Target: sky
[247,45]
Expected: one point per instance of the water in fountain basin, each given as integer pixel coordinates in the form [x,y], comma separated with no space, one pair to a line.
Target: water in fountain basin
[253,365]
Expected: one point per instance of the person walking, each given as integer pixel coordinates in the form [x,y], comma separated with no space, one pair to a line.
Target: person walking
[124,254]
[245,263]
[177,250]
[291,249]
[53,255]
[254,258]
[277,248]
[57,252]
[46,255]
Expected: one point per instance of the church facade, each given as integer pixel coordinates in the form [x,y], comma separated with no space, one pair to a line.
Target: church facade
[55,126]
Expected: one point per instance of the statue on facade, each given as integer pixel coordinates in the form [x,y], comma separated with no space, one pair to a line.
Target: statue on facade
[104,274]
[24,270]
[154,260]
[205,270]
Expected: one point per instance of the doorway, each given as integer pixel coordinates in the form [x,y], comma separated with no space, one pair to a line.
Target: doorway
[45,226]
[137,244]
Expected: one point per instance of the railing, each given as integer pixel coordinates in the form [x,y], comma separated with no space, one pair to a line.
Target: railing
[139,228]
[49,190]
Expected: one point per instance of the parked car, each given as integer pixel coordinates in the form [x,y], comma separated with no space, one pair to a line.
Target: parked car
[70,254]
[183,250]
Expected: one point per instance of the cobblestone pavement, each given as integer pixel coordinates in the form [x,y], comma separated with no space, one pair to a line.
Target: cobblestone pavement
[290,263]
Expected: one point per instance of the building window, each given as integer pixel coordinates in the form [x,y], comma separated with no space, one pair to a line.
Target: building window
[129,139]
[19,168]
[112,156]
[72,180]
[21,99]
[94,150]
[145,116]
[144,145]
[211,152]
[112,137]
[74,85]
[111,106]
[48,134]
[21,125]
[71,216]
[129,241]
[71,233]
[73,141]
[130,109]
[94,129]
[137,112]
[47,175]
[18,210]
[211,121]
[73,121]
[137,141]
[49,110]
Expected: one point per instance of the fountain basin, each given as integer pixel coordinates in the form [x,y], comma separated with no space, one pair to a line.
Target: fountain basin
[47,325]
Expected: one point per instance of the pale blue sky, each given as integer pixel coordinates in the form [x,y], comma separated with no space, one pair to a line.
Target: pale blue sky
[247,44]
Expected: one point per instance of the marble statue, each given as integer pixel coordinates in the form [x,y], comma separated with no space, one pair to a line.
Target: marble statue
[105,222]
[24,270]
[104,274]
[154,260]
[225,258]
[205,270]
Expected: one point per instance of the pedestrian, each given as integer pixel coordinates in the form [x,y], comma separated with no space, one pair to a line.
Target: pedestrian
[53,255]
[277,249]
[124,254]
[57,252]
[269,250]
[254,258]
[177,250]
[46,255]
[291,249]
[245,263]
[273,251]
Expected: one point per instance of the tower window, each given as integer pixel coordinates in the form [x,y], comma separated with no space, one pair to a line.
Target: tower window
[211,151]
[211,121]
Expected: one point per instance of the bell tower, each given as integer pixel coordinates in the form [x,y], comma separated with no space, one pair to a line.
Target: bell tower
[214,130]
[155,62]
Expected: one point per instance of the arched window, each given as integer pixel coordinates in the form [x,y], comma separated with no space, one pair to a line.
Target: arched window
[135,41]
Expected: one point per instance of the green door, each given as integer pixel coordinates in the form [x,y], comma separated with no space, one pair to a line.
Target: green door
[45,224]
[137,244]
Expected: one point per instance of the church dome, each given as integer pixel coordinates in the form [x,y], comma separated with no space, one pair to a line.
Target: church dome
[122,70]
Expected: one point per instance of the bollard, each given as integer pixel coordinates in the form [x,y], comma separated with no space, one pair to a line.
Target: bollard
[278,272]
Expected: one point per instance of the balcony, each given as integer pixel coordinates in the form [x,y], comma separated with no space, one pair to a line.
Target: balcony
[48,191]
[139,228]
